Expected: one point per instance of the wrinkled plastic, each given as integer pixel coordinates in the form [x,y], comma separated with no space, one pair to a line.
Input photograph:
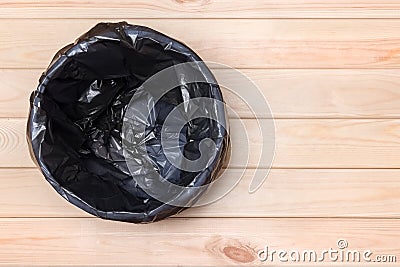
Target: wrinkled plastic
[76,117]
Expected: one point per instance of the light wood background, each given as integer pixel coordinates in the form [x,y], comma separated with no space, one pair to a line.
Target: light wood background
[330,71]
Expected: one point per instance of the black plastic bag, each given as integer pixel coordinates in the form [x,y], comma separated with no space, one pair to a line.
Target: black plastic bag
[78,111]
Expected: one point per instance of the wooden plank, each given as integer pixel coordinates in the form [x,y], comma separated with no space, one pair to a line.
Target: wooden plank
[16,87]
[241,43]
[300,143]
[321,93]
[200,9]
[214,242]
[285,193]
[13,145]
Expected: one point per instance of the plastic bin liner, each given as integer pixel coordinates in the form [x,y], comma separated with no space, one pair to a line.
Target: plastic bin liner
[77,113]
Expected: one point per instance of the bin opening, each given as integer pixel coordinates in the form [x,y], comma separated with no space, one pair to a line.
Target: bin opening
[77,115]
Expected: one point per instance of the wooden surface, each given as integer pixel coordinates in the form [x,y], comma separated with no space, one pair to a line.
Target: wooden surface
[190,9]
[330,71]
[240,43]
[190,241]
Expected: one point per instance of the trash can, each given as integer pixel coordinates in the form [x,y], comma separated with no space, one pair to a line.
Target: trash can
[79,110]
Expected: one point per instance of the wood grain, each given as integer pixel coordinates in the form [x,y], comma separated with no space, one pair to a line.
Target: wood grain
[290,93]
[13,145]
[300,143]
[231,241]
[285,193]
[200,9]
[266,43]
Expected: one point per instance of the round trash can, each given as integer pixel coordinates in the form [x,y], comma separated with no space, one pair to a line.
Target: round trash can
[103,160]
